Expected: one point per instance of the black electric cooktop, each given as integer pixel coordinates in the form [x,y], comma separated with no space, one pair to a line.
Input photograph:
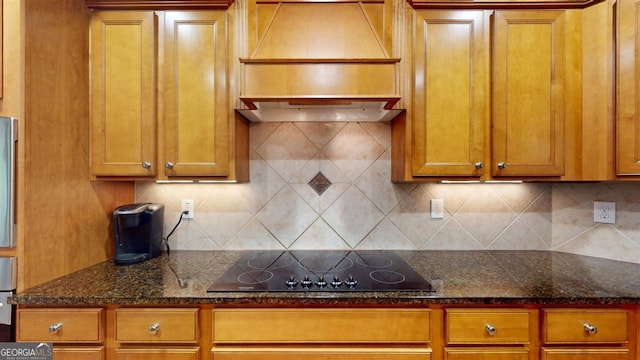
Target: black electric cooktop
[370,270]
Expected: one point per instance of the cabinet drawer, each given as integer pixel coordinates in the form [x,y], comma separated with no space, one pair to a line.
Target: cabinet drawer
[78,353]
[81,325]
[570,326]
[320,325]
[486,354]
[585,354]
[157,325]
[487,326]
[191,353]
[353,353]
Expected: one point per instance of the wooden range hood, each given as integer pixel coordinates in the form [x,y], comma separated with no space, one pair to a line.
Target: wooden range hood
[320,61]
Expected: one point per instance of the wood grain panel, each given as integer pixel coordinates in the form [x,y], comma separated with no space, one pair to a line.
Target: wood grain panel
[566,326]
[123,107]
[449,99]
[475,353]
[79,353]
[320,325]
[585,354]
[174,325]
[628,93]
[65,221]
[315,30]
[157,4]
[197,118]
[353,353]
[82,325]
[529,93]
[597,120]
[469,326]
[171,353]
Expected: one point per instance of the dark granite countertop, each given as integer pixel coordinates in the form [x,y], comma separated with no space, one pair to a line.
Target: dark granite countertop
[467,277]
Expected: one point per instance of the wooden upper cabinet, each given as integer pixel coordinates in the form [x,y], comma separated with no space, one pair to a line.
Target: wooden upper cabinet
[500,4]
[628,96]
[450,89]
[528,94]
[123,85]
[488,97]
[157,4]
[196,113]
[161,99]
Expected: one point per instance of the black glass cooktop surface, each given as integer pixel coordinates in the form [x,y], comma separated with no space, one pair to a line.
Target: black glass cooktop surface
[370,270]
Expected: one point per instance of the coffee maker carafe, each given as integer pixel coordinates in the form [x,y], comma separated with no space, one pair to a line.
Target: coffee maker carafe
[138,232]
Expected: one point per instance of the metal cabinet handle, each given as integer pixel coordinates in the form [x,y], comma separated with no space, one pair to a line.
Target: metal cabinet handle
[479,165]
[590,329]
[153,328]
[146,165]
[168,165]
[55,327]
[491,330]
[502,165]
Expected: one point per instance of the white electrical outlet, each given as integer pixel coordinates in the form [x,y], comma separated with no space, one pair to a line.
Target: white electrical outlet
[604,212]
[188,205]
[437,208]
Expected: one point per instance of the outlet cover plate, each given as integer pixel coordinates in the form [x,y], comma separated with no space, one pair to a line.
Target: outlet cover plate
[188,205]
[604,212]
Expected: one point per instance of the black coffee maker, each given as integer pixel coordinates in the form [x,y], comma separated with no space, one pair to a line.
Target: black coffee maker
[138,232]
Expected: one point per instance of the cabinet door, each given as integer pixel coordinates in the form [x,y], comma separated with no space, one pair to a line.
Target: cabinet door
[79,353]
[487,354]
[628,97]
[123,109]
[450,90]
[528,93]
[157,353]
[197,113]
[585,354]
[321,354]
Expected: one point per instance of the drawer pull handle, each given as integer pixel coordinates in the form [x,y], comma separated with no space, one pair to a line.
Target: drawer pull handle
[55,328]
[590,329]
[491,330]
[153,328]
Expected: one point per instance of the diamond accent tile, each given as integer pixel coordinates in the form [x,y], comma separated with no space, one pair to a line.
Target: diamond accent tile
[319,183]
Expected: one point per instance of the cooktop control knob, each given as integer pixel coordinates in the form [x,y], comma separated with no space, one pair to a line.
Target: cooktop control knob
[321,282]
[291,283]
[336,282]
[351,282]
[306,282]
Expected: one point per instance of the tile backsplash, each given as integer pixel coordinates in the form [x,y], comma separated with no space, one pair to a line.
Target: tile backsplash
[326,186]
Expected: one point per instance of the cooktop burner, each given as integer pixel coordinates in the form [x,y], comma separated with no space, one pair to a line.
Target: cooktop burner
[370,270]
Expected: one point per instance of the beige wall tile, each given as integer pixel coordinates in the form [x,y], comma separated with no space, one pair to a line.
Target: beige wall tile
[362,209]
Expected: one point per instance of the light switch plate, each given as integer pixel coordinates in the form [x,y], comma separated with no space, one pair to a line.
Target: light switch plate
[604,212]
[437,208]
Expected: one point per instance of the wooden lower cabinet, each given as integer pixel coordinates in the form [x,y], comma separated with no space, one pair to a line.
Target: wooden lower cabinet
[321,326]
[481,353]
[155,333]
[587,334]
[490,334]
[191,353]
[432,332]
[79,353]
[350,353]
[321,334]
[76,333]
[585,354]
[61,325]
